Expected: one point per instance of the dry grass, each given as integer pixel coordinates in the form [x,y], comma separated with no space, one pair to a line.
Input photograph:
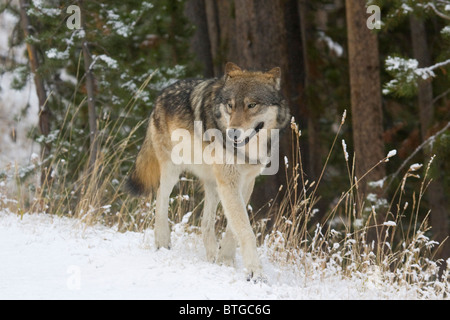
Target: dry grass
[401,253]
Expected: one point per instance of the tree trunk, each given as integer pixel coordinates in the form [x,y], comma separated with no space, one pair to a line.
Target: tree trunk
[195,11]
[44,112]
[90,87]
[367,116]
[222,33]
[425,90]
[435,193]
[313,155]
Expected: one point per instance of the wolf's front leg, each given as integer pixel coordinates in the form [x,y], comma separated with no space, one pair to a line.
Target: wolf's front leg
[227,249]
[229,187]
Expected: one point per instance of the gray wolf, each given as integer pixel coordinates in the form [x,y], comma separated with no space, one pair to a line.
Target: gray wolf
[240,105]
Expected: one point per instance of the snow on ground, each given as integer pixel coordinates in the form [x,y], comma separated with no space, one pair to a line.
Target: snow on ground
[48,257]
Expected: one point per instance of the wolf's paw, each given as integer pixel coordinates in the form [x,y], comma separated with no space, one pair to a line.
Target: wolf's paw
[211,249]
[225,257]
[162,241]
[211,255]
[162,245]
[256,274]
[226,261]
[162,236]
[257,278]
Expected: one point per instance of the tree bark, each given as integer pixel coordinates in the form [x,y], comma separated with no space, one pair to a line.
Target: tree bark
[366,105]
[90,87]
[425,89]
[313,155]
[222,33]
[435,193]
[195,11]
[44,112]
[367,115]
[212,18]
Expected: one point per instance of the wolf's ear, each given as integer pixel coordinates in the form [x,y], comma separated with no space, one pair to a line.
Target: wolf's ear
[276,74]
[231,69]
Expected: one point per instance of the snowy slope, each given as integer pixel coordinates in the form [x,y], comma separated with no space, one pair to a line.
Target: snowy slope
[47,257]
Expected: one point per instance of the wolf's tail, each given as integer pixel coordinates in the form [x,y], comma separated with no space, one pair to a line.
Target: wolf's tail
[144,178]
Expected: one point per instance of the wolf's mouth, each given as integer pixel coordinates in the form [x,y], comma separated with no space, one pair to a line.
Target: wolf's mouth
[242,143]
[259,126]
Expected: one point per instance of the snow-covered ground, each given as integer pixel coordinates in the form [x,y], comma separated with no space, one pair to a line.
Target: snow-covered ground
[48,257]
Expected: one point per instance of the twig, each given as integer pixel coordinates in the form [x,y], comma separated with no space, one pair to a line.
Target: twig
[441,96]
[423,144]
[440,14]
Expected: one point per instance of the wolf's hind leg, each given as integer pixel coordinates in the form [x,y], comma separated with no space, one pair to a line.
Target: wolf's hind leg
[169,177]
[209,220]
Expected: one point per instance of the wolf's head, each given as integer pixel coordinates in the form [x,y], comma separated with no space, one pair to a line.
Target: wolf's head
[248,102]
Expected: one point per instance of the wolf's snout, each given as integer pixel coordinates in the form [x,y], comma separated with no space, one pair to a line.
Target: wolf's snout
[234,134]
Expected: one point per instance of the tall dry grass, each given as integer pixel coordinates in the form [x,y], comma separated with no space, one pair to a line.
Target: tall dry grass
[401,254]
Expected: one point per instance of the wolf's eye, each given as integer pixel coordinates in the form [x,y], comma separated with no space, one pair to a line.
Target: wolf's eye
[230,106]
[251,105]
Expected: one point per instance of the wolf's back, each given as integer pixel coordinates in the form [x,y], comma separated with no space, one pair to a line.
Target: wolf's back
[172,105]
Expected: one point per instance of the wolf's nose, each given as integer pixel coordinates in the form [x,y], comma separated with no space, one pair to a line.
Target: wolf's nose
[234,134]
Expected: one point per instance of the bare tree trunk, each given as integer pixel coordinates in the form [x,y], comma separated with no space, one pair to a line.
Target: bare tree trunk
[314,154]
[425,90]
[367,114]
[200,45]
[90,87]
[212,18]
[222,33]
[366,106]
[90,83]
[44,112]
[435,193]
